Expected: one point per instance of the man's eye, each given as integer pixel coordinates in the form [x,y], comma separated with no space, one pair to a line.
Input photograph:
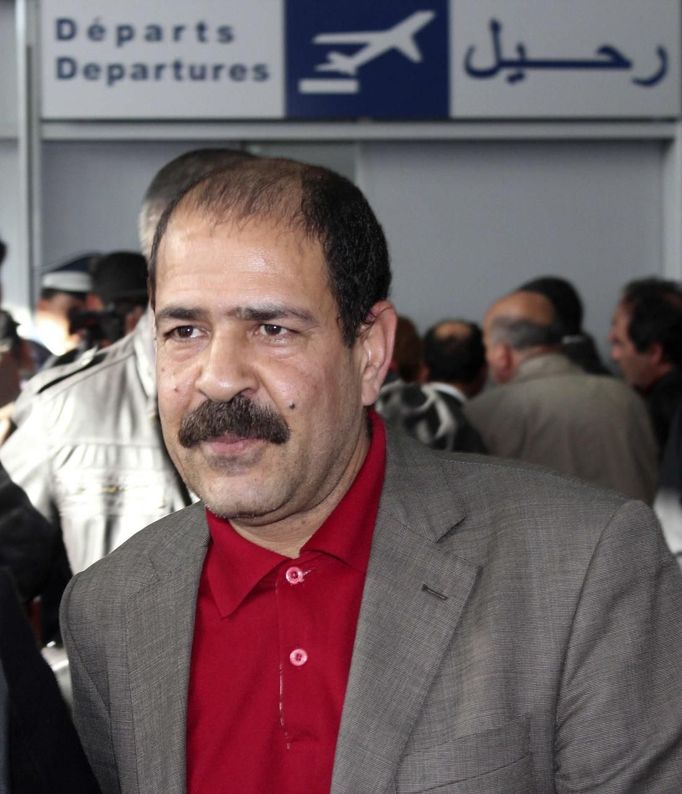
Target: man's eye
[269,329]
[181,332]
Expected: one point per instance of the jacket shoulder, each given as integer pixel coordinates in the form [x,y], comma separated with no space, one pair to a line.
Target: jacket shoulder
[154,552]
[499,499]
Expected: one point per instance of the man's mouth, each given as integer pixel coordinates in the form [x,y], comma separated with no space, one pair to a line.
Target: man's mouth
[229,443]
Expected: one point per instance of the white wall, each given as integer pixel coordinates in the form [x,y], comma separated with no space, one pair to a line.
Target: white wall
[467,222]
[92,193]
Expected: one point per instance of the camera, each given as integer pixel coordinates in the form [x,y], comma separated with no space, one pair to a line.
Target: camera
[97,327]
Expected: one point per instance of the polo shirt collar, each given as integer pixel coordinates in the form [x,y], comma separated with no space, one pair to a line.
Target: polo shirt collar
[235,566]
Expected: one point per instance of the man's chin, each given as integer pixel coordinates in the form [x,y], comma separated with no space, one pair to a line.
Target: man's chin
[238,509]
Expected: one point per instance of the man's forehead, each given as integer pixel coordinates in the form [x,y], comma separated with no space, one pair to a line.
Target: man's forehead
[282,253]
[191,227]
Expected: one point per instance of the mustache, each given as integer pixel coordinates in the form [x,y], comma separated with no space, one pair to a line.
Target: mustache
[238,417]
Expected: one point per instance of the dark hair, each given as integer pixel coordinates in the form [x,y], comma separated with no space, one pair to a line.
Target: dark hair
[407,350]
[454,357]
[175,177]
[563,296]
[322,204]
[655,309]
[120,276]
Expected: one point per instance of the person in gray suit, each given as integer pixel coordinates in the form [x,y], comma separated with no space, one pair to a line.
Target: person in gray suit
[346,610]
[546,410]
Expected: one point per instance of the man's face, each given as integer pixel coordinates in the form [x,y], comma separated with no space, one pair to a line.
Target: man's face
[635,367]
[246,312]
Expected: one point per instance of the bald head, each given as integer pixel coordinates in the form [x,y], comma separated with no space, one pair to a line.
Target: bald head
[517,326]
[451,329]
[530,307]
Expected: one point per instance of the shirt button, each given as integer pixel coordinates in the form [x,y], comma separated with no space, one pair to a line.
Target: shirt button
[298,657]
[294,575]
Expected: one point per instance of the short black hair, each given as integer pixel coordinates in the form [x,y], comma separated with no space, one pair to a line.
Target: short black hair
[120,276]
[563,296]
[654,306]
[454,357]
[324,205]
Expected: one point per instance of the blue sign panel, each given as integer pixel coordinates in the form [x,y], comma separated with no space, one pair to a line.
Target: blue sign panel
[364,59]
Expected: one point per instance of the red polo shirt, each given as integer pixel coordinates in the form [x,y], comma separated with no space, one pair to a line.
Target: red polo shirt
[273,640]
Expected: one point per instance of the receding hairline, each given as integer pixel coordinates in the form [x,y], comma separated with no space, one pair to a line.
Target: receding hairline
[270,189]
[192,207]
[282,207]
[174,177]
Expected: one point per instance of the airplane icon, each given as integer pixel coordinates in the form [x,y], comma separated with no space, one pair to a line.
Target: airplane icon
[401,37]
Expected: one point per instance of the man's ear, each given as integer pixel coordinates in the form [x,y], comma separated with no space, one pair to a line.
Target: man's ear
[500,361]
[376,346]
[655,352]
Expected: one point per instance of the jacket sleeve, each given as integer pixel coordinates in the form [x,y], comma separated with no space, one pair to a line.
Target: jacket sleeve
[619,711]
[91,711]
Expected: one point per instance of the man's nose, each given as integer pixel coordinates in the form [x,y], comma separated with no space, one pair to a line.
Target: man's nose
[226,368]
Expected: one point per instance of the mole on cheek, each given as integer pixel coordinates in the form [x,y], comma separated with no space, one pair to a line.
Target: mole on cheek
[292,406]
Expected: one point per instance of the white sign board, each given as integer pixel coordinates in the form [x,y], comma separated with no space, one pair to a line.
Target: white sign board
[407,59]
[552,58]
[213,59]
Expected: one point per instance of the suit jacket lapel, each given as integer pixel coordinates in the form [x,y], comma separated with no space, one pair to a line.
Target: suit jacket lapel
[159,645]
[415,590]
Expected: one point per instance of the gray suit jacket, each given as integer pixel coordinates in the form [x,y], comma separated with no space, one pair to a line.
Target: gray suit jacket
[519,632]
[590,426]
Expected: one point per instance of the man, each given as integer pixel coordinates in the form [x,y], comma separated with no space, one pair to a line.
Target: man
[103,471]
[63,291]
[546,410]
[576,343]
[337,613]
[646,344]
[454,355]
[455,368]
[119,282]
[113,307]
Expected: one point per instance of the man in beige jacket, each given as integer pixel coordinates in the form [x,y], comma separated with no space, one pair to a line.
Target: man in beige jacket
[546,410]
